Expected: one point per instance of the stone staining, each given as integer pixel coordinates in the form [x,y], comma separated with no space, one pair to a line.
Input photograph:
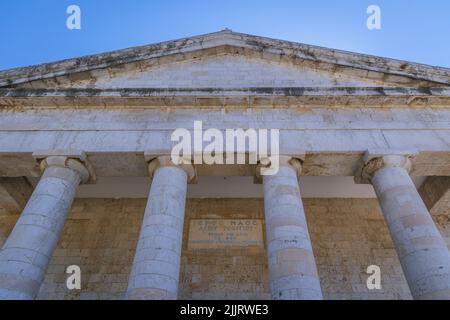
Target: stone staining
[292,267]
[156,266]
[423,253]
[26,254]
[225,233]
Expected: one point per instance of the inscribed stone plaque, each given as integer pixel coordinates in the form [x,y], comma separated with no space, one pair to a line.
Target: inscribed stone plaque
[223,233]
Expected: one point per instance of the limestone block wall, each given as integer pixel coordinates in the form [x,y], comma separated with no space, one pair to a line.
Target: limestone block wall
[100,236]
[443,223]
[234,273]
[7,220]
[347,235]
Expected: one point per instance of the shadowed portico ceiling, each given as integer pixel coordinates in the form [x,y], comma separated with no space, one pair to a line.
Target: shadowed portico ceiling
[226,68]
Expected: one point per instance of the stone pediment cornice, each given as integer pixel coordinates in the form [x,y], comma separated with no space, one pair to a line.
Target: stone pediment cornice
[229,97]
[230,41]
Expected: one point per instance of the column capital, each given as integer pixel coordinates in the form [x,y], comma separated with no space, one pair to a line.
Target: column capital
[379,159]
[75,160]
[294,162]
[166,161]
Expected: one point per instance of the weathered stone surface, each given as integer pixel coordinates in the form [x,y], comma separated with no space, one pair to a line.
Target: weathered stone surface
[292,267]
[26,254]
[223,233]
[422,251]
[435,192]
[226,71]
[14,194]
[224,42]
[100,236]
[156,266]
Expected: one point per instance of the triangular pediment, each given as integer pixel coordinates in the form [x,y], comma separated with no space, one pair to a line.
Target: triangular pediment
[225,60]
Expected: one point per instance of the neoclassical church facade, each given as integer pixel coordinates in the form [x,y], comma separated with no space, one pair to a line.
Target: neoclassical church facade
[87,179]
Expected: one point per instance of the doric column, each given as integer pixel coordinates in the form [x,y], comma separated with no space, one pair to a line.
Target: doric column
[423,253]
[292,267]
[156,267]
[26,253]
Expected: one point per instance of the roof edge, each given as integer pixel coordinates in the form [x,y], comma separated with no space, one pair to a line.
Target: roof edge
[226,37]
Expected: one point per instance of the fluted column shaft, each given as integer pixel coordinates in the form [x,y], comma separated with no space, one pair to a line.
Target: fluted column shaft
[26,253]
[292,267]
[422,251]
[156,267]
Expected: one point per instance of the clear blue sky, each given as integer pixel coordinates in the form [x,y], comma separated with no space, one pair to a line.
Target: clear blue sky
[34,31]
